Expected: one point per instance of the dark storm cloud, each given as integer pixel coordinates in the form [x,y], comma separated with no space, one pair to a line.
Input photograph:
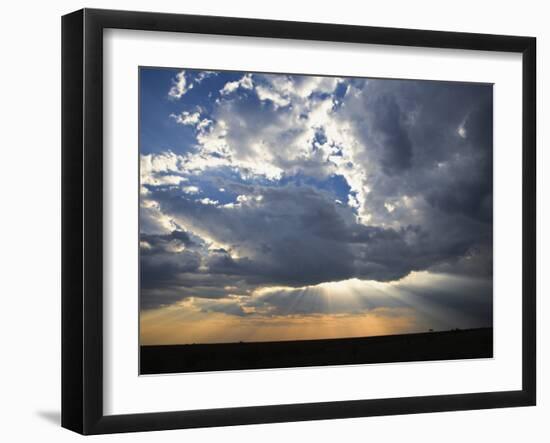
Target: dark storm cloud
[468,190]
[162,242]
[165,256]
[416,147]
[157,268]
[288,234]
[176,284]
[298,236]
[390,133]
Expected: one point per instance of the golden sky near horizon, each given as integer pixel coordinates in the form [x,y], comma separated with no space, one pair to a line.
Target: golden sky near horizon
[171,325]
[349,308]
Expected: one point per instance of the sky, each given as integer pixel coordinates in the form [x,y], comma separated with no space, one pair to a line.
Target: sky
[283,207]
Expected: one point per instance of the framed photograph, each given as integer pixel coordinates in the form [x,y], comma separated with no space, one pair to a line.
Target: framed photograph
[269,221]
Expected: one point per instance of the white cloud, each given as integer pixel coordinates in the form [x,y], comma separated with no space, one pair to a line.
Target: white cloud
[277,139]
[281,138]
[203,124]
[282,89]
[180,87]
[204,75]
[306,85]
[192,119]
[245,82]
[249,198]
[182,84]
[208,201]
[155,169]
[187,118]
[191,189]
[269,94]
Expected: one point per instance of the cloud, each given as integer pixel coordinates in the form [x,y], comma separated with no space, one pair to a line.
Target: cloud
[203,75]
[208,201]
[267,140]
[245,82]
[324,180]
[271,95]
[184,82]
[187,118]
[387,124]
[451,297]
[192,119]
[191,189]
[227,306]
[299,236]
[427,300]
[407,144]
[180,86]
[161,169]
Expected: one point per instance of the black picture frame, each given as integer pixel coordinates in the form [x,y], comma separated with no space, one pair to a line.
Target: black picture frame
[82,218]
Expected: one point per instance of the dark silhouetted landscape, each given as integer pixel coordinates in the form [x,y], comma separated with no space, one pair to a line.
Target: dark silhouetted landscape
[445,345]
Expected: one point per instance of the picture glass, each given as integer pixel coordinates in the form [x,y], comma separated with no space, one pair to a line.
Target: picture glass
[291,220]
